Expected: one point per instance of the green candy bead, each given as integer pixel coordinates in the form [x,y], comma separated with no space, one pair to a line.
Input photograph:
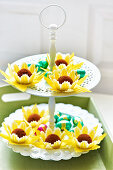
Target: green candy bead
[64,117]
[43,64]
[40,70]
[47,73]
[57,115]
[77,119]
[29,65]
[37,65]
[64,124]
[71,130]
[81,72]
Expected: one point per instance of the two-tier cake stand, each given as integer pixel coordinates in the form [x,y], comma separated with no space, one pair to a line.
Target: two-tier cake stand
[43,89]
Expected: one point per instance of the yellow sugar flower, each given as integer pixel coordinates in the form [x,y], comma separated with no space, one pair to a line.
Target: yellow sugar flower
[83,140]
[17,133]
[70,66]
[35,118]
[22,77]
[66,81]
[50,139]
[62,60]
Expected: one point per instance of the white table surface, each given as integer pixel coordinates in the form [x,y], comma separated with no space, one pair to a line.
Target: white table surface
[104,104]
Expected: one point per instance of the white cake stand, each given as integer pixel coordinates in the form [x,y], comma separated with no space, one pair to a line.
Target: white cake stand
[42,88]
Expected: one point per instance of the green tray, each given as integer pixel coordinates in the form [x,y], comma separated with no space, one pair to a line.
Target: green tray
[94,160]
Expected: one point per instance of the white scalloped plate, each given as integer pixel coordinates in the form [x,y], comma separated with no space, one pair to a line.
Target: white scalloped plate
[89,120]
[42,89]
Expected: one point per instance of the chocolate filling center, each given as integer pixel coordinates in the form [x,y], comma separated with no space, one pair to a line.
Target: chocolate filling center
[33,117]
[19,132]
[84,137]
[24,71]
[65,78]
[61,61]
[52,138]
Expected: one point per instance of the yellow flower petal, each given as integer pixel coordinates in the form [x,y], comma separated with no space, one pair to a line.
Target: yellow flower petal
[77,132]
[72,75]
[79,125]
[63,134]
[49,131]
[83,145]
[9,128]
[69,134]
[23,126]
[95,147]
[67,58]
[95,128]
[24,79]
[56,145]
[73,85]
[78,66]
[10,70]
[31,78]
[4,136]
[80,89]
[24,65]
[28,130]
[48,59]
[55,68]
[56,85]
[92,134]
[14,125]
[56,75]
[6,129]
[16,68]
[17,78]
[58,57]
[63,72]
[42,135]
[32,68]
[100,138]
[64,86]
[72,55]
[57,131]
[42,113]
[61,66]
[85,130]
[91,145]
[38,78]
[49,81]
[28,112]
[78,149]
[4,74]
[82,80]
[35,109]
[18,86]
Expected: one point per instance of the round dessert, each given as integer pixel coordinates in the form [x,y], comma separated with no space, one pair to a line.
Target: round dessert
[52,138]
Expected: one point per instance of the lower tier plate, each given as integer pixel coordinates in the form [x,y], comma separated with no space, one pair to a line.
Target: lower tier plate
[94,160]
[56,154]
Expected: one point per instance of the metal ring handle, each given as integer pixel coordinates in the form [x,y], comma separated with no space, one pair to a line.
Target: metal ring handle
[40,15]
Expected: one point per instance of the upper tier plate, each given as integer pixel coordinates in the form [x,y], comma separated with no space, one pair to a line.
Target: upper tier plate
[43,89]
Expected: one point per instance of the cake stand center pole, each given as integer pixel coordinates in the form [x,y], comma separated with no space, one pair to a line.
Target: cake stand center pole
[53,28]
[51,111]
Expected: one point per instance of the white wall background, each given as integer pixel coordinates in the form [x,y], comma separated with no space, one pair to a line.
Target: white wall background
[88,32]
